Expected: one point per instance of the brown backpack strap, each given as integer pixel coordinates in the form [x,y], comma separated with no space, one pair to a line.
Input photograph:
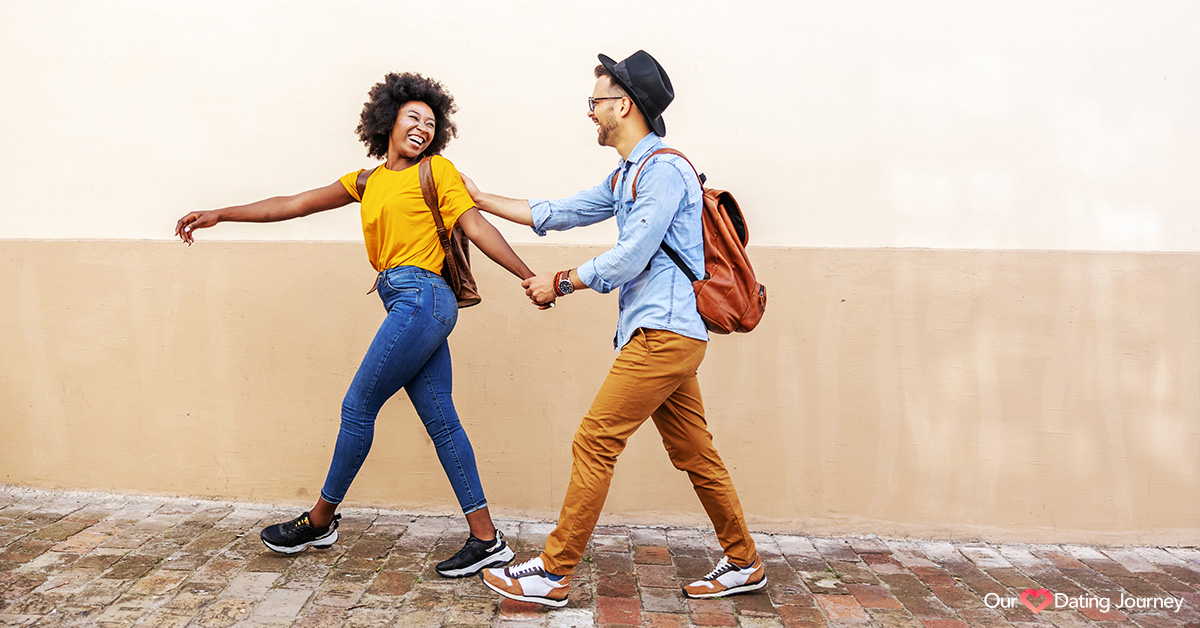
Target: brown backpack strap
[668,151]
[361,182]
[429,191]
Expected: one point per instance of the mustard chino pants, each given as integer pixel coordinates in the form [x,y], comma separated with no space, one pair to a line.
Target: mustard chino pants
[654,376]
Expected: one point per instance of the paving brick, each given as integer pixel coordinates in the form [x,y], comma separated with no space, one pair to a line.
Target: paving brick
[985,557]
[640,535]
[652,555]
[869,545]
[853,572]
[957,597]
[26,550]
[687,543]
[392,583]
[158,582]
[789,594]
[82,542]
[1057,556]
[101,592]
[222,613]
[662,576]
[250,585]
[926,607]
[100,559]
[622,585]
[841,608]
[61,530]
[883,564]
[164,618]
[835,549]
[893,618]
[218,571]
[904,585]
[873,596]
[934,576]
[756,604]
[1011,577]
[1166,582]
[269,561]
[477,612]
[1187,575]
[712,612]
[801,617]
[691,568]
[513,609]
[663,600]
[70,581]
[338,594]
[656,620]
[621,611]
[35,603]
[609,543]
[825,582]
[282,603]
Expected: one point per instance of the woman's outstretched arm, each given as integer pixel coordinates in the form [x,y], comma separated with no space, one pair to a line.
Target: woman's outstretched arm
[273,209]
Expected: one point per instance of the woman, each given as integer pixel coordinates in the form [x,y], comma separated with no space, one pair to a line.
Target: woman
[406,119]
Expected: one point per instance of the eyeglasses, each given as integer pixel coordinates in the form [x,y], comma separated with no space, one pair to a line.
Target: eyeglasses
[592,101]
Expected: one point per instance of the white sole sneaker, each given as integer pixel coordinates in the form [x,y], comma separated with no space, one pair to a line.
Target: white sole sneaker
[544,601]
[499,559]
[745,588]
[322,543]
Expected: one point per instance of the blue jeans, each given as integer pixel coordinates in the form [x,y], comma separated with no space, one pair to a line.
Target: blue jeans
[409,351]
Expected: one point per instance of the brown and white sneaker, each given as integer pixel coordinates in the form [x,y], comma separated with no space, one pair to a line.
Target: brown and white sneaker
[529,582]
[728,579]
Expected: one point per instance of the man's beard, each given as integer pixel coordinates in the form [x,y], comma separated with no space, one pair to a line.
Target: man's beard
[605,131]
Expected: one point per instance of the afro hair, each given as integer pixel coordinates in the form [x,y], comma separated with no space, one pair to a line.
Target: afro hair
[379,113]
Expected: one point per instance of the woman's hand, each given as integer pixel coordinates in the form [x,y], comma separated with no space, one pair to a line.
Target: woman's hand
[187,225]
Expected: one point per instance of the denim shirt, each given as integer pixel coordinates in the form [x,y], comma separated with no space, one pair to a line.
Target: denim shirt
[654,293]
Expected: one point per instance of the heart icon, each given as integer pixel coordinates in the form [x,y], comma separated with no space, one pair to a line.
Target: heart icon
[1035,593]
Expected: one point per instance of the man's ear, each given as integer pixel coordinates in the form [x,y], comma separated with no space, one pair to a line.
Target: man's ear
[627,107]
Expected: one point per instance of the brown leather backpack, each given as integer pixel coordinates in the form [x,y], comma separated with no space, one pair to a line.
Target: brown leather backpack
[729,297]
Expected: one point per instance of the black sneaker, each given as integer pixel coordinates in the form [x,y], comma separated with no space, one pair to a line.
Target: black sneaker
[293,536]
[475,556]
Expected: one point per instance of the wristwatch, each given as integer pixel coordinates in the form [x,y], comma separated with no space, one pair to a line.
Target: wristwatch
[562,283]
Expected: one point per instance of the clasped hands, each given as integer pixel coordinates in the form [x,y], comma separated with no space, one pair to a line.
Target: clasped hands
[540,290]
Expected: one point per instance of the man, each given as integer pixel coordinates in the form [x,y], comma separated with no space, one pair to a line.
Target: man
[661,335]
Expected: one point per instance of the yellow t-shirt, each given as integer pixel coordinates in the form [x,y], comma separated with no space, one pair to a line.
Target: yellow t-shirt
[398,227]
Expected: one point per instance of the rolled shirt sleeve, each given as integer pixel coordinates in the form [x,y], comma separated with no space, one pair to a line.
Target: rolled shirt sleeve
[661,192]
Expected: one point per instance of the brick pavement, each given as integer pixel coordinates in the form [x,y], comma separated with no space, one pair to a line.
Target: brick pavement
[89,559]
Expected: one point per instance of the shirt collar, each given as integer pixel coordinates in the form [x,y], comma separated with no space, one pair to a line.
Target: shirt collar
[643,147]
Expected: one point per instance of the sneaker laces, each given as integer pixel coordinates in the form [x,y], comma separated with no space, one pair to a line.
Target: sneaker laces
[723,566]
[299,522]
[527,568]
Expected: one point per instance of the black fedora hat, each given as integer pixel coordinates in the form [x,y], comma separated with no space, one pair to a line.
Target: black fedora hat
[647,84]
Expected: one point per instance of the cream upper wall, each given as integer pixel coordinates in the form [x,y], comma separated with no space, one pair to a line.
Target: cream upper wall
[956,124]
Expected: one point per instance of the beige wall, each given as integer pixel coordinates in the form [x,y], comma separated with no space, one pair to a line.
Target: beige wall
[996,124]
[1000,395]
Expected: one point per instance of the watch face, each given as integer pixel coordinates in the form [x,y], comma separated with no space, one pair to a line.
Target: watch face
[565,286]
